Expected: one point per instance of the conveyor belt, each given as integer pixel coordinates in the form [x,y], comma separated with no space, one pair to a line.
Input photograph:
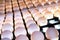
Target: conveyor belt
[23,18]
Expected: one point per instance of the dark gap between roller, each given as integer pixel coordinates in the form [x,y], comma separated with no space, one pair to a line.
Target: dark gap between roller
[13,21]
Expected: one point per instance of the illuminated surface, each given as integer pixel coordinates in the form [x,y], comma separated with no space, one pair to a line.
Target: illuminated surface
[20,14]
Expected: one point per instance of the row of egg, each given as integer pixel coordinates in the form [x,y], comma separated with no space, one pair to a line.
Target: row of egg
[20,31]
[30,23]
[7,27]
[2,15]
